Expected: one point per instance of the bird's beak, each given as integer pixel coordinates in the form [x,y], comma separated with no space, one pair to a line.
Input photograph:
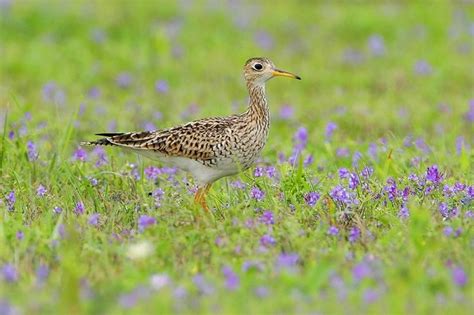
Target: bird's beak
[282,73]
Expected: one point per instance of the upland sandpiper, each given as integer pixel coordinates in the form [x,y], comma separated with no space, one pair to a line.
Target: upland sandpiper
[210,148]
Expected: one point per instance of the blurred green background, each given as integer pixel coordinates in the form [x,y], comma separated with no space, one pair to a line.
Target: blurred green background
[199,47]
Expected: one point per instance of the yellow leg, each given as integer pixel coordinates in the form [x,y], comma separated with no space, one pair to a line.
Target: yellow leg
[200,197]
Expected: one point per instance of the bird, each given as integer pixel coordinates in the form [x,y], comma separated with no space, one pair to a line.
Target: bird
[210,148]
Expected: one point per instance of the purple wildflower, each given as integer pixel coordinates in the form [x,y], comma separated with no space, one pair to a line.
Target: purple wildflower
[41,191]
[311,198]
[340,194]
[249,223]
[98,36]
[443,210]
[191,110]
[158,196]
[333,230]
[344,173]
[433,175]
[391,189]
[203,286]
[376,45]
[459,276]
[6,308]
[308,160]
[48,91]
[94,92]
[11,199]
[57,210]
[367,172]
[422,146]
[330,128]
[408,141]
[144,221]
[42,273]
[470,192]
[372,151]
[61,231]
[128,300]
[93,181]
[448,231]
[337,283]
[238,184]
[352,56]
[180,293]
[300,138]
[20,235]
[271,171]
[342,152]
[422,67]
[286,112]
[258,172]
[31,151]
[294,156]
[267,218]
[219,241]
[356,158]
[361,271]
[261,292]
[124,80]
[287,260]
[94,219]
[469,116]
[461,145]
[281,157]
[79,155]
[370,296]
[152,172]
[458,232]
[354,234]
[459,187]
[415,162]
[161,86]
[79,209]
[101,156]
[11,134]
[232,280]
[22,131]
[353,181]
[267,240]
[264,40]
[448,191]
[257,194]
[404,212]
[413,177]
[9,273]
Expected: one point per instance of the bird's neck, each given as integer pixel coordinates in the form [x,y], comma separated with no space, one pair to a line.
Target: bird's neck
[258,106]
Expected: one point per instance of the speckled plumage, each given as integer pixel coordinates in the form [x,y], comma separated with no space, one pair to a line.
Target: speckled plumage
[211,148]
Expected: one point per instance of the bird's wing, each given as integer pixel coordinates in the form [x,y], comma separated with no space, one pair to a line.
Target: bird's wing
[195,140]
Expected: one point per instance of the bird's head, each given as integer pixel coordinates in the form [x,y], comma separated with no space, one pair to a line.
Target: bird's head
[259,70]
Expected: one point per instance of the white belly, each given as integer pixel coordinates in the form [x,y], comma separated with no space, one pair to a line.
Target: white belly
[202,174]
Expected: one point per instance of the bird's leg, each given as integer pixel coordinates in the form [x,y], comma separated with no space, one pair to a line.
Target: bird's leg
[200,197]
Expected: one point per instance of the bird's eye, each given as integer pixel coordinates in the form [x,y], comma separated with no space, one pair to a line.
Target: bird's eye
[258,66]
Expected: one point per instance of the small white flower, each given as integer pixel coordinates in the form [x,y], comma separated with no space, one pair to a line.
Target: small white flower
[159,281]
[140,250]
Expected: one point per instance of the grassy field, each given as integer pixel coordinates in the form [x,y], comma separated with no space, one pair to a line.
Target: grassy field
[362,202]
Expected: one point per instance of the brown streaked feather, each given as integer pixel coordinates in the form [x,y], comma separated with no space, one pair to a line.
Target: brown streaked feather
[196,140]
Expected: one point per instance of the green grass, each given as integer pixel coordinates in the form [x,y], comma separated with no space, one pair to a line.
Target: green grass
[199,50]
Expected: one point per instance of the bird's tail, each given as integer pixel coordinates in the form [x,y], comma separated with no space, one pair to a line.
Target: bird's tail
[102,141]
